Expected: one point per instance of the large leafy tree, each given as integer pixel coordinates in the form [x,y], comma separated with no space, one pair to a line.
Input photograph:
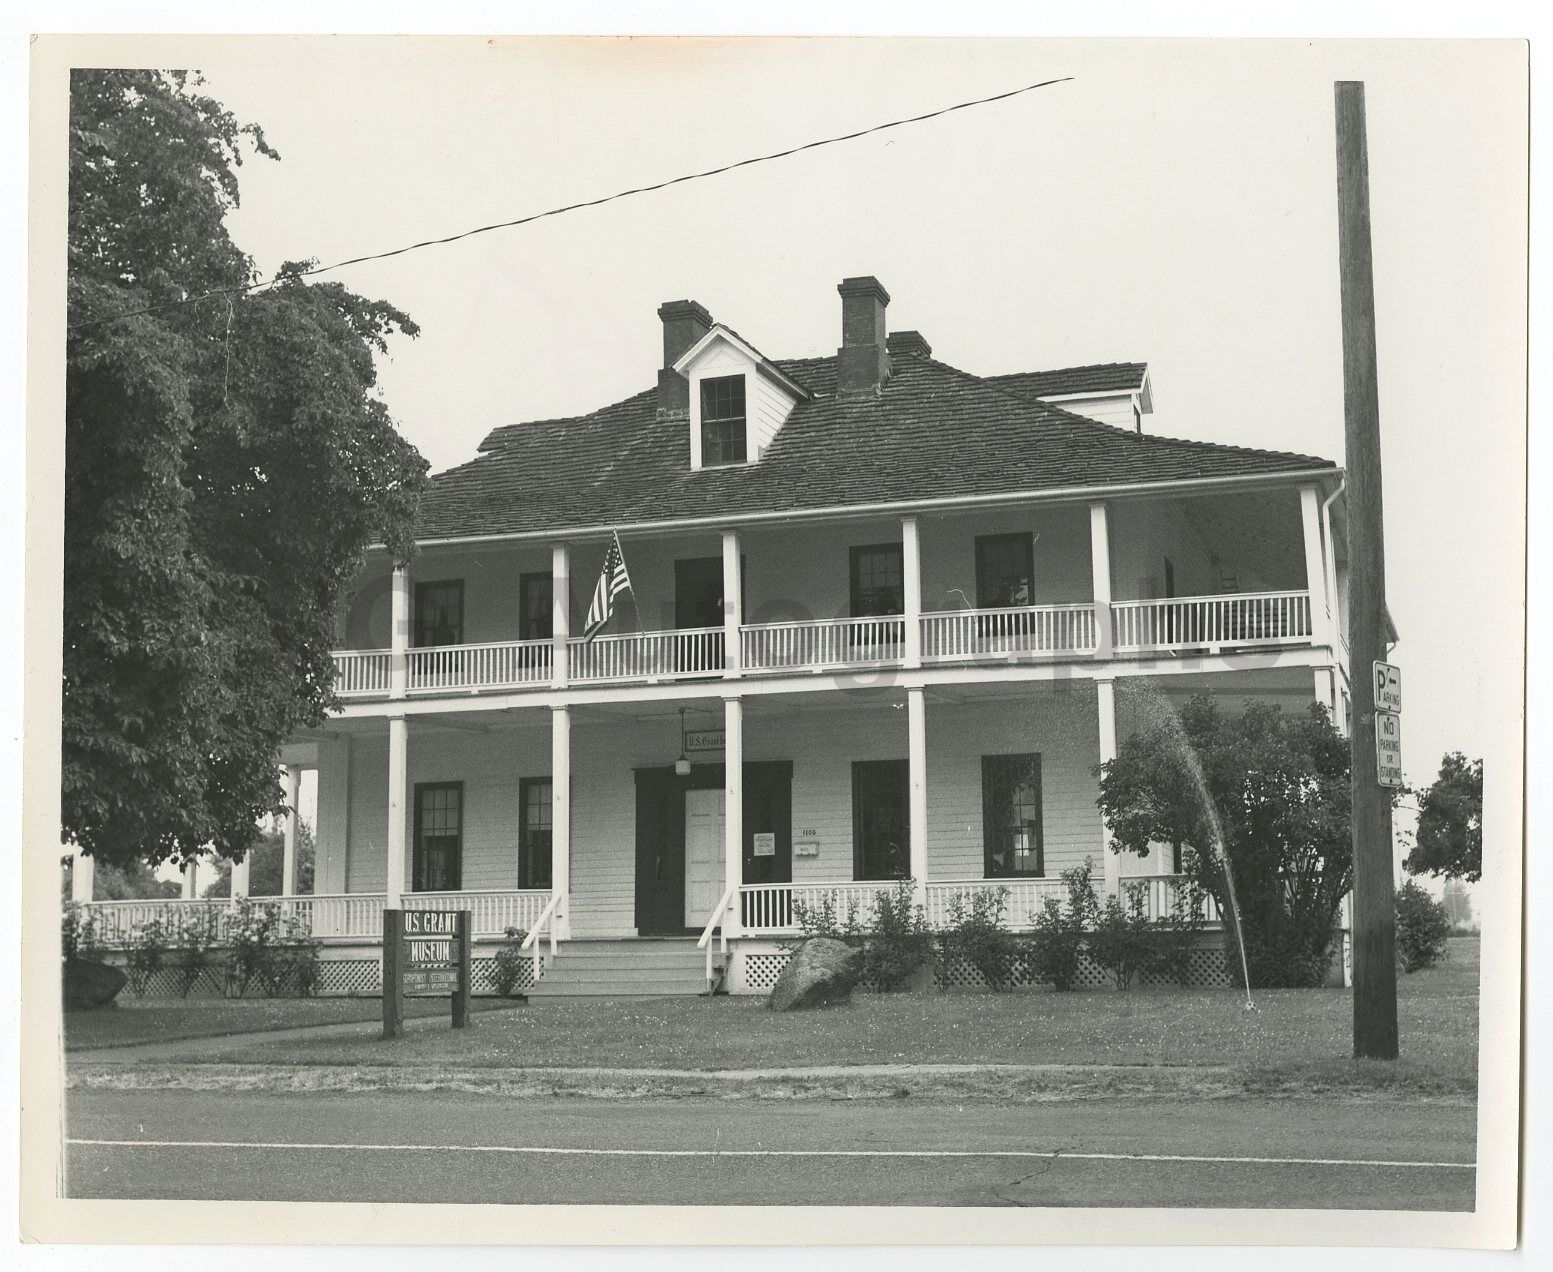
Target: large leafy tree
[1268,789]
[1449,841]
[228,458]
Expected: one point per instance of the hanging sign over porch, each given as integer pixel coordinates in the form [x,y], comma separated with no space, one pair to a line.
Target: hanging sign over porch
[426,954]
[705,740]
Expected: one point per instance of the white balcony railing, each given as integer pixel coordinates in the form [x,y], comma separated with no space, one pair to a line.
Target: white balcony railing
[835,642]
[967,635]
[349,916]
[673,655]
[491,666]
[1212,622]
[359,672]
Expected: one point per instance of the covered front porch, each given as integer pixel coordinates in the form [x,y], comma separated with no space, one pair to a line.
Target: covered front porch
[719,819]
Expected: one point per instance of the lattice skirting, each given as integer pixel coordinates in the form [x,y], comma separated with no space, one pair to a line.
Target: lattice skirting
[337,978]
[1208,971]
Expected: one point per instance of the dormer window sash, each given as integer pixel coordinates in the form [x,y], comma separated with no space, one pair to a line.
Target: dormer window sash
[723,421]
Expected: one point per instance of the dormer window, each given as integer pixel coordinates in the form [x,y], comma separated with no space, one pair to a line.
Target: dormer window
[722,421]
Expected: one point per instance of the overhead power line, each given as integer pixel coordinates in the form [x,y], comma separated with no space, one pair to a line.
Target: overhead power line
[571,207]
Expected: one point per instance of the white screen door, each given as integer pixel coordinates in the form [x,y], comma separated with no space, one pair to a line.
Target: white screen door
[703,854]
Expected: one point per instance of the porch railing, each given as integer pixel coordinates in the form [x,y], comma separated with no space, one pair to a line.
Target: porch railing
[1212,622]
[350,916]
[693,651]
[966,635]
[489,666]
[771,909]
[360,671]
[833,642]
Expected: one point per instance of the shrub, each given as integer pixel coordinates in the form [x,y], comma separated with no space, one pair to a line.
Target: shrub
[79,937]
[899,941]
[1124,937]
[299,955]
[827,919]
[976,934]
[146,955]
[1054,949]
[254,931]
[197,939]
[509,963]
[1422,926]
[1178,931]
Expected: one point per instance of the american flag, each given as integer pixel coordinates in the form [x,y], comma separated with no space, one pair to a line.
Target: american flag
[613,580]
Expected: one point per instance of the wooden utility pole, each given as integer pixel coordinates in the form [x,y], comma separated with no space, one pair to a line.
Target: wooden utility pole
[1374,915]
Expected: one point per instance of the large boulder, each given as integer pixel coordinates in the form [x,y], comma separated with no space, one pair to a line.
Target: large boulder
[91,985]
[821,973]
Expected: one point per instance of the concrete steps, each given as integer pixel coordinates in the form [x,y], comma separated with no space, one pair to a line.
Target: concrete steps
[641,967]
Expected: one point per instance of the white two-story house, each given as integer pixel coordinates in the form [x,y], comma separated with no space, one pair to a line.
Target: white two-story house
[886,618]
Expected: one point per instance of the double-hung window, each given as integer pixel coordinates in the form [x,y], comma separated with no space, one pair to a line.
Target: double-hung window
[722,421]
[534,799]
[1011,816]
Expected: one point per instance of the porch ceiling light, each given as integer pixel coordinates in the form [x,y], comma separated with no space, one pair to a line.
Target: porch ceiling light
[682,765]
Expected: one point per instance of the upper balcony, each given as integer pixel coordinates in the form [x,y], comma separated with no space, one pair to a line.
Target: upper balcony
[1142,579]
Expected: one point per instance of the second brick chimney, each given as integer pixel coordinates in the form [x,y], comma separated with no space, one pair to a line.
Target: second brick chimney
[863,361]
[684,323]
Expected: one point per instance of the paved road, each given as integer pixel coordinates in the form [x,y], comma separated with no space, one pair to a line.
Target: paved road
[452,1147]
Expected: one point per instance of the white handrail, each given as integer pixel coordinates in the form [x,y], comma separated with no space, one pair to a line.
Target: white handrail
[545,920]
[718,921]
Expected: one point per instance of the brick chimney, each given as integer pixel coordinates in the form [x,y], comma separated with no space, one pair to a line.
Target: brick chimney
[862,362]
[684,323]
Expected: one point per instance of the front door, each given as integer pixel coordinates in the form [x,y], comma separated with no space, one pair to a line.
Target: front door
[703,853]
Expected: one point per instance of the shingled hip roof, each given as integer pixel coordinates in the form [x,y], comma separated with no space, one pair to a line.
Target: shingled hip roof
[934,433]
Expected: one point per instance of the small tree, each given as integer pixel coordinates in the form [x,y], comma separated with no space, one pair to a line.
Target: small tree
[1450,822]
[1270,791]
[1422,926]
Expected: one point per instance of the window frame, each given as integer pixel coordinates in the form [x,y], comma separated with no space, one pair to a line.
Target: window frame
[732,447]
[859,769]
[456,586]
[996,821]
[987,542]
[855,559]
[528,876]
[417,861]
[526,616]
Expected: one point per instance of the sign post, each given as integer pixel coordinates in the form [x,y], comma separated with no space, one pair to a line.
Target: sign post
[426,954]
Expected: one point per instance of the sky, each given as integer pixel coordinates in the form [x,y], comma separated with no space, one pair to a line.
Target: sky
[1174,203]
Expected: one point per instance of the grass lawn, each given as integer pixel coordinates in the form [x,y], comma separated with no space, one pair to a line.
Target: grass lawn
[1293,1035]
[135,1020]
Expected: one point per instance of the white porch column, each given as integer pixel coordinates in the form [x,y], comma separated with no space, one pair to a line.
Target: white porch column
[398,775]
[399,634]
[560,613]
[561,816]
[733,809]
[1321,625]
[191,871]
[911,563]
[1111,864]
[733,606]
[83,872]
[1326,691]
[288,860]
[1100,569]
[240,877]
[916,764]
